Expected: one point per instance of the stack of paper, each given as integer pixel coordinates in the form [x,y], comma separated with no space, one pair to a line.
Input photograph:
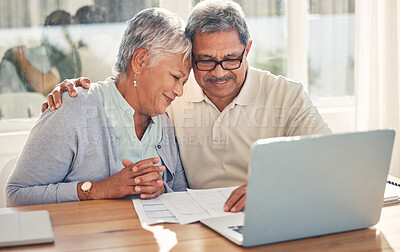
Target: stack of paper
[183,207]
[392,193]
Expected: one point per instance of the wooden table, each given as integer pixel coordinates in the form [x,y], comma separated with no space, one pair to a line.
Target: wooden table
[105,225]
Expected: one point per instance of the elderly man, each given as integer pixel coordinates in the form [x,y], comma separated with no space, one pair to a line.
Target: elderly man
[227,104]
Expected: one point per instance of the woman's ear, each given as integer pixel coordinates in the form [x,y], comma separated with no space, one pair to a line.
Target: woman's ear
[140,60]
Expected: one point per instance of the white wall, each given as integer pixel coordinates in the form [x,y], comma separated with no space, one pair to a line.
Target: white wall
[13,135]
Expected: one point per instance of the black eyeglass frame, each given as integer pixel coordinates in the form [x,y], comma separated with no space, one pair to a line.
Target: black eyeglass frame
[216,63]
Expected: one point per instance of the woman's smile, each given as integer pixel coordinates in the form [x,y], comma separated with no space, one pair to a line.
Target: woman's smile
[169,100]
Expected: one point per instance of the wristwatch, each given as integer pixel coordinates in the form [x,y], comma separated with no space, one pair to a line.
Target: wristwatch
[86,187]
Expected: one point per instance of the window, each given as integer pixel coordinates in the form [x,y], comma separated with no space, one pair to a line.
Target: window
[267,25]
[330,36]
[46,41]
[307,40]
[330,60]
[331,48]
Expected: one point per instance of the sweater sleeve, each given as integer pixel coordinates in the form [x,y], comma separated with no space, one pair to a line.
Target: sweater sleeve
[174,175]
[180,181]
[47,158]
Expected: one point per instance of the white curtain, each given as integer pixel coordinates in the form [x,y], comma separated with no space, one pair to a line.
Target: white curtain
[377,69]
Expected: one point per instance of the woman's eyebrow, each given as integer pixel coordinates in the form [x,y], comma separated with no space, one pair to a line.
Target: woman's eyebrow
[182,73]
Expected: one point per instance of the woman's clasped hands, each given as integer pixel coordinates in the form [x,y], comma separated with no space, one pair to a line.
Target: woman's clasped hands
[143,177]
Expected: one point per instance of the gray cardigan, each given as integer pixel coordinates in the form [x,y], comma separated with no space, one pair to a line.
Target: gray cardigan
[77,143]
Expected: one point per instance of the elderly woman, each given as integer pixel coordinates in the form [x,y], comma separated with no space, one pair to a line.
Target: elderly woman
[114,139]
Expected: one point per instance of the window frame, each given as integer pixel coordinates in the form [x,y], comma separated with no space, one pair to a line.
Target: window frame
[338,111]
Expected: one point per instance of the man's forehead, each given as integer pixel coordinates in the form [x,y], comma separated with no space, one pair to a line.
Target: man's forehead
[216,35]
[229,52]
[221,42]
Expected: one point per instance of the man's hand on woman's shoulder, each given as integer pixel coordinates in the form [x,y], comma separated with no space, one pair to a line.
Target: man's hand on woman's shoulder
[54,98]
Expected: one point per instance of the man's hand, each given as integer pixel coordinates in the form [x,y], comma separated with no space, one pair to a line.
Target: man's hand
[237,199]
[54,98]
[147,177]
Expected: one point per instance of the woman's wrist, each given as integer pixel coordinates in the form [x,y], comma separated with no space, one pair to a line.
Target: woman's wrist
[94,192]
[81,194]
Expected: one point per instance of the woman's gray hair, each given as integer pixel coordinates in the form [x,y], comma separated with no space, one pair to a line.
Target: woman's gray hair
[210,16]
[157,30]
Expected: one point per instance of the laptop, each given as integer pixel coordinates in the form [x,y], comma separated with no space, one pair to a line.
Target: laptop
[302,187]
[23,228]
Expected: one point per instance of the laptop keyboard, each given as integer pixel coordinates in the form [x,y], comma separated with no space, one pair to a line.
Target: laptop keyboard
[238,229]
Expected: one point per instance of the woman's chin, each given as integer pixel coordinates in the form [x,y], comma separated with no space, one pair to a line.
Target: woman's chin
[163,111]
[160,111]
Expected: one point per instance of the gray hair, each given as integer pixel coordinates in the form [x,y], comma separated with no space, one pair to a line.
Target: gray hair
[159,31]
[217,15]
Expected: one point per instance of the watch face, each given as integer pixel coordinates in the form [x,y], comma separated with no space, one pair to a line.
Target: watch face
[86,186]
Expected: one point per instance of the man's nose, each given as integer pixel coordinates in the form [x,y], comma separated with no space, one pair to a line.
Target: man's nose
[218,71]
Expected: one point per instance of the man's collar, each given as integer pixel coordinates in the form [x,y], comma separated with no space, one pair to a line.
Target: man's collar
[192,91]
[250,89]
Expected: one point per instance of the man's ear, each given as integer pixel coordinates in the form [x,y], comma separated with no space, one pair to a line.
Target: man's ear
[140,60]
[248,47]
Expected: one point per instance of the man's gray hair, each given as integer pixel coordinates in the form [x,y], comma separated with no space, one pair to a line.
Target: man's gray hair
[210,16]
[157,30]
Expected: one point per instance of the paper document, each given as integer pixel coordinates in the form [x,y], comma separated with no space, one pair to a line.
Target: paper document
[153,211]
[212,199]
[392,194]
[183,207]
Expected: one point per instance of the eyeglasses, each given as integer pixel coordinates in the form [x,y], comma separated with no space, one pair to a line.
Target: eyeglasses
[228,64]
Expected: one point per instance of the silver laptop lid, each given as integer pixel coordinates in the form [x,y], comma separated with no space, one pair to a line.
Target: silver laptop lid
[307,186]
